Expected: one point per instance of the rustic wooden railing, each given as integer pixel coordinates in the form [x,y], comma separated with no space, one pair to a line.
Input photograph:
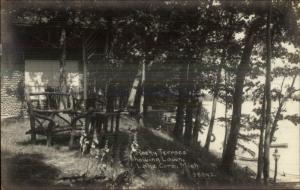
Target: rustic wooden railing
[97,123]
[47,111]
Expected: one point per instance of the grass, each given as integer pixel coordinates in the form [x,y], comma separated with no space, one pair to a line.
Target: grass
[26,165]
[208,163]
[22,161]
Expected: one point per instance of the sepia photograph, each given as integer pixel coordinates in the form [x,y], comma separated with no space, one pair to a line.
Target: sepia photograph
[158,94]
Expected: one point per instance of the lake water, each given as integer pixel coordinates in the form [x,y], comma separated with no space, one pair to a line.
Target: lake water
[289,161]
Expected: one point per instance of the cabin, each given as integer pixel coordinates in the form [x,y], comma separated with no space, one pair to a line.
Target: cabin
[34,65]
[32,54]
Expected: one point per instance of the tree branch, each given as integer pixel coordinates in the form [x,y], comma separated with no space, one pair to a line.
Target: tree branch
[281,87]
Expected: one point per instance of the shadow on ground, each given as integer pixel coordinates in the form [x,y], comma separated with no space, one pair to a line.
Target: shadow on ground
[26,169]
[58,140]
[206,162]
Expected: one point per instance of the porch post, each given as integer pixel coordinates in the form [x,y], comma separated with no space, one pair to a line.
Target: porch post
[84,71]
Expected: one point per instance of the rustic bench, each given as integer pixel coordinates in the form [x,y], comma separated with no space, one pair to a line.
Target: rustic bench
[51,113]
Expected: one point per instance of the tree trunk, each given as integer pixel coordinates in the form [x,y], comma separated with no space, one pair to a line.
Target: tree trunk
[225,137]
[62,72]
[62,63]
[214,106]
[178,129]
[260,160]
[141,107]
[227,37]
[226,122]
[110,100]
[133,90]
[276,119]
[188,122]
[268,100]
[189,109]
[211,124]
[228,158]
[279,109]
[197,125]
